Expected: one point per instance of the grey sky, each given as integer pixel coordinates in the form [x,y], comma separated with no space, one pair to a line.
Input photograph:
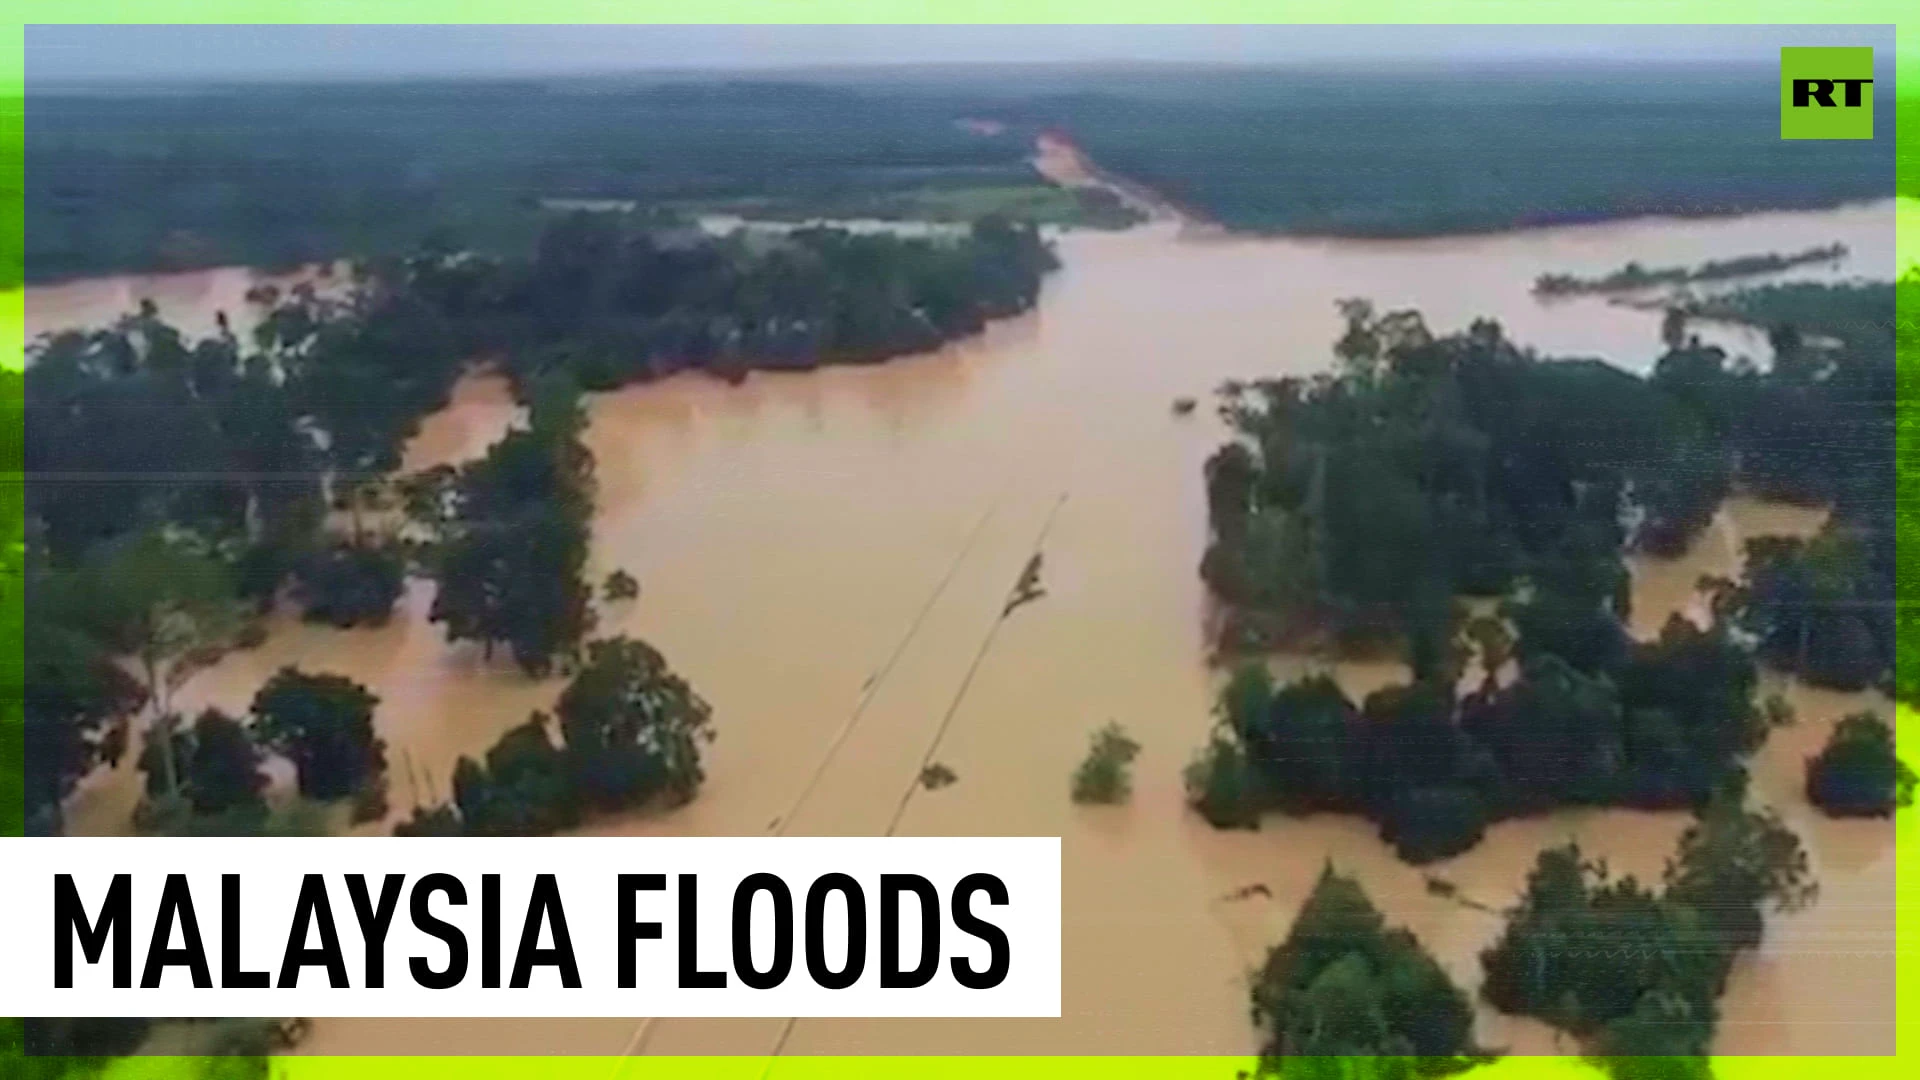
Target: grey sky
[116,53]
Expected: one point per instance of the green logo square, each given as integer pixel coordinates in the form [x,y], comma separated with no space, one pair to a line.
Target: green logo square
[1826,93]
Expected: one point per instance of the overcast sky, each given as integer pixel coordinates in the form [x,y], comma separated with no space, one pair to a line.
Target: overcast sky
[141,53]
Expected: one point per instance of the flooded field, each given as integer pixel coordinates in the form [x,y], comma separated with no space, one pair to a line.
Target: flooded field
[825,557]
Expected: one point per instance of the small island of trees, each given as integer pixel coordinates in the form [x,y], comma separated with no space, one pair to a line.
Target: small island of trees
[1637,973]
[1634,276]
[1344,986]
[1857,774]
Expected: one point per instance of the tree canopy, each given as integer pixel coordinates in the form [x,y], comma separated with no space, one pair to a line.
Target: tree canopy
[1344,985]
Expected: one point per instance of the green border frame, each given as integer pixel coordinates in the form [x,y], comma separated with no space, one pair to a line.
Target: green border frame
[1784,12]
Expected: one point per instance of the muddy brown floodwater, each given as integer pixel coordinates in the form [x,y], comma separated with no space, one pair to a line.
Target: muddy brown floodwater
[824,554]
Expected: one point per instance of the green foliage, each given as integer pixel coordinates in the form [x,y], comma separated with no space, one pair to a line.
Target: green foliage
[1812,605]
[218,768]
[75,704]
[1429,466]
[1221,786]
[633,729]
[1424,467]
[349,584]
[440,820]
[1659,728]
[1299,738]
[282,175]
[611,302]
[630,734]
[324,725]
[1430,823]
[230,465]
[1367,152]
[522,789]
[1103,777]
[514,548]
[1857,773]
[1635,972]
[1344,985]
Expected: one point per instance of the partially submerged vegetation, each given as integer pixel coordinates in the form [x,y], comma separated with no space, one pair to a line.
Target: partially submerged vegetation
[1345,985]
[1358,504]
[630,734]
[1634,276]
[1637,973]
[221,513]
[1648,724]
[1363,503]
[1105,776]
[1857,773]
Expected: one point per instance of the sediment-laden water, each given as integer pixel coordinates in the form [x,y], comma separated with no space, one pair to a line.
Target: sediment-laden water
[824,555]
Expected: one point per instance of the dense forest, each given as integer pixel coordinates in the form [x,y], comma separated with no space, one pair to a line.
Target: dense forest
[133,178]
[165,542]
[278,176]
[1423,152]
[1363,504]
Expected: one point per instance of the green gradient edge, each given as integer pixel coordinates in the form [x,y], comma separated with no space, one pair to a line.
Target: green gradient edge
[1828,12]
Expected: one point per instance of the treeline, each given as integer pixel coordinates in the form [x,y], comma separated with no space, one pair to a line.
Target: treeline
[284,175]
[1366,152]
[1634,276]
[611,301]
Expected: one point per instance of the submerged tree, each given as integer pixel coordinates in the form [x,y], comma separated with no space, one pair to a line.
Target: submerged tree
[633,729]
[512,561]
[324,725]
[219,770]
[1638,973]
[630,732]
[1344,985]
[1103,776]
[351,584]
[1857,774]
[170,610]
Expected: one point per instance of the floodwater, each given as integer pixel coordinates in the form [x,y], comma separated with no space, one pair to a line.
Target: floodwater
[825,556]
[191,301]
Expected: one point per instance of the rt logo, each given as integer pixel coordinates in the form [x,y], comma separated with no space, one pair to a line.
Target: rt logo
[1826,93]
